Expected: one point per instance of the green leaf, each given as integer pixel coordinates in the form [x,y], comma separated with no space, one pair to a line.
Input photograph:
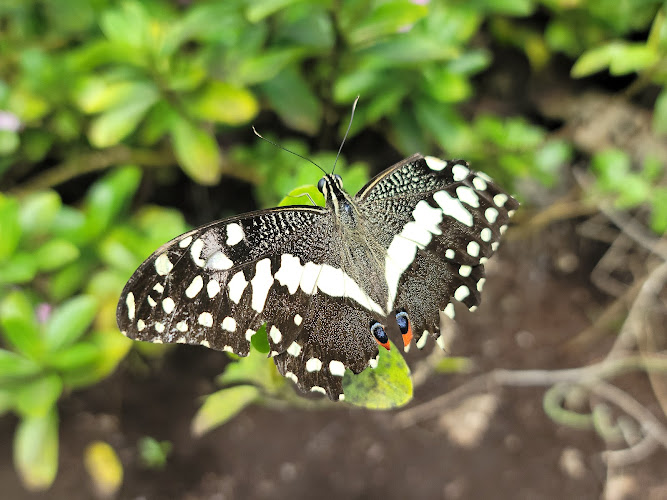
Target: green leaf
[19,326]
[263,67]
[9,226]
[128,24]
[298,196]
[77,357]
[260,341]
[197,152]
[104,468]
[594,60]
[386,19]
[620,57]
[38,211]
[387,386]
[36,450]
[454,365]
[54,254]
[292,98]
[659,211]
[14,366]
[69,321]
[660,114]
[116,123]
[259,10]
[224,103]
[154,453]
[106,199]
[222,406]
[37,397]
[9,142]
[19,268]
[255,369]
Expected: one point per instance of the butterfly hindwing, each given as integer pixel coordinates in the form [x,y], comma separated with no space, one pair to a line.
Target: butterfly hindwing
[439,222]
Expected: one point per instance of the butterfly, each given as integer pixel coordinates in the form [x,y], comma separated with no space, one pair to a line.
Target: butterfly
[331,283]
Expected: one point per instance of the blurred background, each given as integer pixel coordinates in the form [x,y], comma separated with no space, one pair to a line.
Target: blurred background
[123,124]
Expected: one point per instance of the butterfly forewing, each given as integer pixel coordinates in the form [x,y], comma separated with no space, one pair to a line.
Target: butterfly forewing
[412,240]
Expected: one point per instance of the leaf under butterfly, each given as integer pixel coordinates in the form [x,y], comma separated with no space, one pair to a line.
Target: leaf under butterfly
[387,386]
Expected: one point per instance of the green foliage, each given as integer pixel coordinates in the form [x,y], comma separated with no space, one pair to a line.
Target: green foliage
[153,453]
[124,86]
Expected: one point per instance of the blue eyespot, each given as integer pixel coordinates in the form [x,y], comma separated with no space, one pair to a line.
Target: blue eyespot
[403,323]
[378,332]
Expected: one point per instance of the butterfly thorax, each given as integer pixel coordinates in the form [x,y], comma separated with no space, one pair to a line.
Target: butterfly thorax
[360,256]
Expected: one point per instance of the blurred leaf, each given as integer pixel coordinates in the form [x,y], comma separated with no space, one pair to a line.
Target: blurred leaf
[257,10]
[104,468]
[260,341]
[386,19]
[221,406]
[19,268]
[38,211]
[128,24]
[620,57]
[509,7]
[69,321]
[659,211]
[106,199]
[197,152]
[255,369]
[272,61]
[35,398]
[611,167]
[14,366]
[28,106]
[224,103]
[660,114]
[154,453]
[19,325]
[447,87]
[292,98]
[36,450]
[54,254]
[454,365]
[114,124]
[9,142]
[9,226]
[387,386]
[77,357]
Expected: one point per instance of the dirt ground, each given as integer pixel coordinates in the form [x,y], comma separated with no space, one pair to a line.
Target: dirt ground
[498,444]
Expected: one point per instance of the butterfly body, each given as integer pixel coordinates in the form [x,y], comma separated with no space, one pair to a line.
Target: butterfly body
[329,282]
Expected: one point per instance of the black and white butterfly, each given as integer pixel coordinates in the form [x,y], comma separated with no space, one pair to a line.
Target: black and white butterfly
[329,282]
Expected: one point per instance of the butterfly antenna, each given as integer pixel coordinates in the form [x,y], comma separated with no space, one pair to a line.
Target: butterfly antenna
[349,125]
[289,151]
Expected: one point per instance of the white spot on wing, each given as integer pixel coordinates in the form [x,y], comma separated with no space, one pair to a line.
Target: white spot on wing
[159,327]
[195,287]
[129,302]
[261,283]
[150,301]
[449,310]
[461,293]
[234,233]
[195,252]
[459,172]
[290,272]
[297,319]
[467,195]
[236,286]
[480,284]
[479,183]
[450,254]
[219,261]
[292,377]
[435,163]
[185,242]
[491,214]
[317,388]
[182,326]
[313,365]
[486,234]
[422,340]
[212,288]
[453,207]
[294,349]
[500,199]
[275,334]
[205,319]
[158,288]
[168,305]
[249,333]
[336,368]
[465,271]
[141,325]
[473,249]
[205,343]
[229,324]
[163,265]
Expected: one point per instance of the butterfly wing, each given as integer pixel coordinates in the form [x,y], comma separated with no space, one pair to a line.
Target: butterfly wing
[216,285]
[439,222]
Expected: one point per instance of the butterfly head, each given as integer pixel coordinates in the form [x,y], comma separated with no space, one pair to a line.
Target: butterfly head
[331,186]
